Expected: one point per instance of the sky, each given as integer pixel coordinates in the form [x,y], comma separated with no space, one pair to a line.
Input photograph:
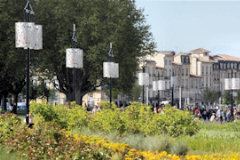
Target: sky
[186,25]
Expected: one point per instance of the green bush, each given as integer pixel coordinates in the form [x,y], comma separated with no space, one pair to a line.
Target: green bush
[137,118]
[48,141]
[8,123]
[175,122]
[108,120]
[65,117]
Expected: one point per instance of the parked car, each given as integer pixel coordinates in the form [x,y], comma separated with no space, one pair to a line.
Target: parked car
[21,106]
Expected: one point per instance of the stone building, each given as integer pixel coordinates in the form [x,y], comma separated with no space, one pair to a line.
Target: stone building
[192,73]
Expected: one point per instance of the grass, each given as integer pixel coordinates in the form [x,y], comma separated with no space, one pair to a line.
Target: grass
[213,141]
[4,155]
[212,138]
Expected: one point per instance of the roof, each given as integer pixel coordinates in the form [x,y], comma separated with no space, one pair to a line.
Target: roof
[195,76]
[207,61]
[224,57]
[159,67]
[167,53]
[176,63]
[149,60]
[181,53]
[199,51]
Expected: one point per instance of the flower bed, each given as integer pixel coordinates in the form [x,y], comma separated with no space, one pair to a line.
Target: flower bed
[48,141]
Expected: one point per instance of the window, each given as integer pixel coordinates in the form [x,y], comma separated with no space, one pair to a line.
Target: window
[228,66]
[202,70]
[165,61]
[192,84]
[170,62]
[182,72]
[182,59]
[206,69]
[187,72]
[186,83]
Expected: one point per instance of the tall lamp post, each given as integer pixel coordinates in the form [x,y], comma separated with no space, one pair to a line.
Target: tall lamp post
[232,84]
[173,81]
[143,80]
[74,60]
[110,70]
[28,36]
[156,87]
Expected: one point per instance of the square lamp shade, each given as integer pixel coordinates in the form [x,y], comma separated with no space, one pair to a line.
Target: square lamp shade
[110,70]
[74,58]
[38,40]
[161,85]
[235,83]
[155,85]
[228,84]
[143,79]
[28,35]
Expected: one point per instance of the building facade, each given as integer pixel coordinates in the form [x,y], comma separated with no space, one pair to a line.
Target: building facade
[191,73]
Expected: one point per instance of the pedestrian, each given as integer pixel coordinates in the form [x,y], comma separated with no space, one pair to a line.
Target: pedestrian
[220,114]
[228,115]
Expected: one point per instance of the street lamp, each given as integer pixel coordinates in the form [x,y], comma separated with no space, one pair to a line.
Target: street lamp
[143,80]
[28,36]
[74,60]
[173,82]
[110,70]
[232,84]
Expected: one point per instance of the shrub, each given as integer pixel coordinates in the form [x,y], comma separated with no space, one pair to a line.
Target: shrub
[65,117]
[8,123]
[174,122]
[108,120]
[137,118]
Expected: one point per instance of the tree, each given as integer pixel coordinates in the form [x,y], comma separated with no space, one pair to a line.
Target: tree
[227,96]
[209,95]
[136,92]
[12,60]
[43,91]
[98,23]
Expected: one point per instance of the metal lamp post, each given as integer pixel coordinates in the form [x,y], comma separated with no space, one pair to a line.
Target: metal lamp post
[232,84]
[74,60]
[143,70]
[143,80]
[156,88]
[28,36]
[110,70]
[173,81]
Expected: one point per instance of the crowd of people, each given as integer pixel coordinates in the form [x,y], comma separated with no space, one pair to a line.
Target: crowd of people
[221,114]
[217,113]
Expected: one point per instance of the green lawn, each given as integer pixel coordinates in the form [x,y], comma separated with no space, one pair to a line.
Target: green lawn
[212,138]
[4,155]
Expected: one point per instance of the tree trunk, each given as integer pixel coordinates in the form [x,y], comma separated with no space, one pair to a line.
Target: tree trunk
[15,103]
[4,103]
[78,97]
[68,97]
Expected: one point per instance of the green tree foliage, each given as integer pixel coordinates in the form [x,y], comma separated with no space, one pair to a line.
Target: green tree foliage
[209,95]
[135,92]
[12,60]
[98,23]
[227,96]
